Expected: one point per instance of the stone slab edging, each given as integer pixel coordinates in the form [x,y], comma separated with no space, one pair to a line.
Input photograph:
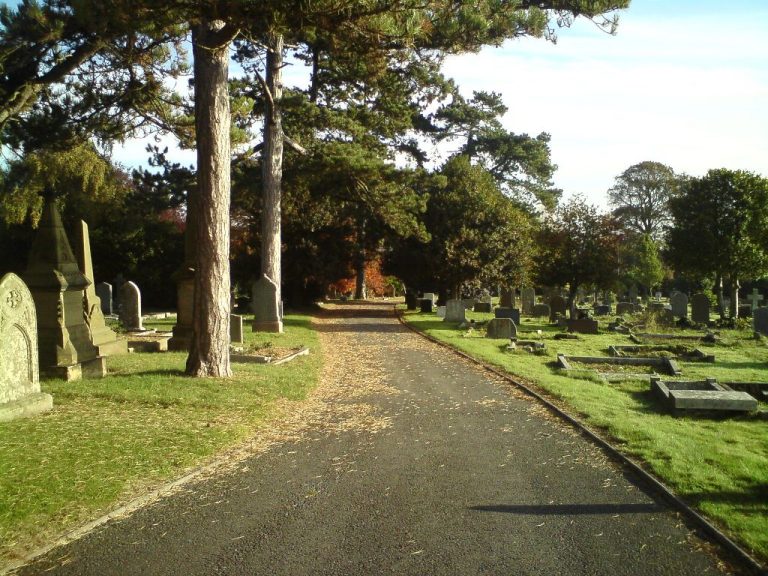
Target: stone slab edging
[750,563]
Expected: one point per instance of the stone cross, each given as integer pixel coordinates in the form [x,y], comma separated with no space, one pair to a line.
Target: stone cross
[19,362]
[755,298]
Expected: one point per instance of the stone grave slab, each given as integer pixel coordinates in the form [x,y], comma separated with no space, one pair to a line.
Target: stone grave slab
[679,303]
[486,307]
[664,365]
[583,326]
[681,352]
[411,302]
[454,311]
[236,329]
[266,306]
[104,292]
[700,309]
[501,328]
[701,395]
[441,311]
[20,394]
[558,306]
[512,313]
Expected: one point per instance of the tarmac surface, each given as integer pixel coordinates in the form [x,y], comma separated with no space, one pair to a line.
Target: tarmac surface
[419,463]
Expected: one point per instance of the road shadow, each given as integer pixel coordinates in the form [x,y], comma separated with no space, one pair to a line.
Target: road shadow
[570,509]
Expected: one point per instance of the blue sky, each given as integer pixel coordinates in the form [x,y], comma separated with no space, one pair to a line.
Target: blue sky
[683,82]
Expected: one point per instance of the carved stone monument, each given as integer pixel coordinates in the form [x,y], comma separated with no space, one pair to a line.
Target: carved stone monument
[57,287]
[266,308]
[19,370]
[105,340]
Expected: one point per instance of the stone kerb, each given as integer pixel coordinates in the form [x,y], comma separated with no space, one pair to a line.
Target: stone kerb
[20,393]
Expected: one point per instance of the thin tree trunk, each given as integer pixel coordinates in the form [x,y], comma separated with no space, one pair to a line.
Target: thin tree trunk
[720,296]
[360,287]
[209,350]
[272,165]
[735,285]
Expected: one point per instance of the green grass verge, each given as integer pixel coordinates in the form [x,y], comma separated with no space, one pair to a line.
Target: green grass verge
[108,439]
[718,464]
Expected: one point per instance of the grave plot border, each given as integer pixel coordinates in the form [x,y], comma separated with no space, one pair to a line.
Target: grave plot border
[696,355]
[666,364]
[640,337]
[701,395]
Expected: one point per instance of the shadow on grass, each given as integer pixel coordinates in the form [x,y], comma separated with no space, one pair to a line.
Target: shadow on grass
[742,365]
[756,494]
[570,509]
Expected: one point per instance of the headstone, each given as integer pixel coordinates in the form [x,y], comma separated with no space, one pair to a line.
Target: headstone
[557,306]
[603,310]
[411,302]
[483,307]
[426,305]
[501,328]
[430,296]
[266,306]
[507,298]
[679,303]
[624,308]
[104,292]
[700,309]
[583,326]
[20,393]
[608,298]
[528,300]
[441,311]
[57,286]
[633,294]
[185,296]
[454,311]
[130,307]
[512,313]
[236,329]
[760,321]
[105,339]
[755,298]
[540,311]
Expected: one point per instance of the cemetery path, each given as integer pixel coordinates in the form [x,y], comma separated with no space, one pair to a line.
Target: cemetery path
[405,460]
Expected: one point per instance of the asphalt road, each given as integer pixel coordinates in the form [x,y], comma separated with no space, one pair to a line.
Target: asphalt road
[445,472]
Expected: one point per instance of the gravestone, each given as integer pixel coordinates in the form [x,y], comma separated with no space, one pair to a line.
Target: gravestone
[483,307]
[430,296]
[700,309]
[20,393]
[633,294]
[557,306]
[501,328]
[185,297]
[507,298]
[441,311]
[426,305]
[57,286]
[540,311]
[755,298]
[130,307]
[603,310]
[267,315]
[679,303]
[454,311]
[104,292]
[760,321]
[236,329]
[512,313]
[411,302]
[528,300]
[583,326]
[624,308]
[106,341]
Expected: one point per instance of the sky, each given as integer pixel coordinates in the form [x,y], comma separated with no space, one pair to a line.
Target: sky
[683,82]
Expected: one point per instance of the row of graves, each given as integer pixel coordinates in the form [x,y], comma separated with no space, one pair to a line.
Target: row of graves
[53,319]
[643,355]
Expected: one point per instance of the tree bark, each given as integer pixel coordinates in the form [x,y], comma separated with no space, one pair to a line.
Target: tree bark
[735,285]
[209,349]
[720,296]
[272,165]
[360,287]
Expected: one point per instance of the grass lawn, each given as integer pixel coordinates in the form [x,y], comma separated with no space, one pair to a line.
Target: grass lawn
[719,464]
[108,440]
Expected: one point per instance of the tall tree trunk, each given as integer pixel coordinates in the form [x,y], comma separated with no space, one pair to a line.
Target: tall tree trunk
[360,287]
[720,296]
[272,165]
[209,350]
[735,285]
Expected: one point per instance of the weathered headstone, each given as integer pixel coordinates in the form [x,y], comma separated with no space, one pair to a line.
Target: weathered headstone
[454,311]
[57,286]
[624,308]
[130,307]
[557,306]
[507,298]
[583,326]
[540,311]
[760,321]
[483,307]
[411,302]
[501,328]
[105,339]
[19,369]
[755,298]
[104,292]
[603,310]
[236,329]
[266,307]
[700,309]
[185,297]
[441,311]
[430,296]
[426,305]
[512,313]
[679,303]
[528,300]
